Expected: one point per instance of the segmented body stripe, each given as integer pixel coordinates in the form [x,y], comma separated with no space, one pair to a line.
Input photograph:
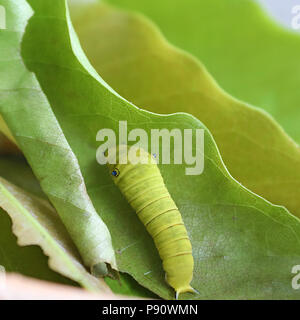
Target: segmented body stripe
[131,186]
[130,200]
[166,228]
[150,203]
[165,212]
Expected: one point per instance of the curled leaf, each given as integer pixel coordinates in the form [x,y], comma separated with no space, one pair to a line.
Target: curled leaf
[35,222]
[44,145]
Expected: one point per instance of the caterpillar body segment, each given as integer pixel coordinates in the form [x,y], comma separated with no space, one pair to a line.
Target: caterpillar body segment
[143,187]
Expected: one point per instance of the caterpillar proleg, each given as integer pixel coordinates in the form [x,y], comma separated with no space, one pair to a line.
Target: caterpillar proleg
[143,186]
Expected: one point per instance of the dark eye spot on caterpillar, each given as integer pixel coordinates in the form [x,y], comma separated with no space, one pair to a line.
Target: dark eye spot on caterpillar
[115,172]
[144,188]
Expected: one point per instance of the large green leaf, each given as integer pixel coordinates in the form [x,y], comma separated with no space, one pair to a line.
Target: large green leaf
[244,247]
[134,58]
[35,222]
[29,117]
[250,55]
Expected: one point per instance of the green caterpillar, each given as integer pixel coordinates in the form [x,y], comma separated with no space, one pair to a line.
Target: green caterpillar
[143,187]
